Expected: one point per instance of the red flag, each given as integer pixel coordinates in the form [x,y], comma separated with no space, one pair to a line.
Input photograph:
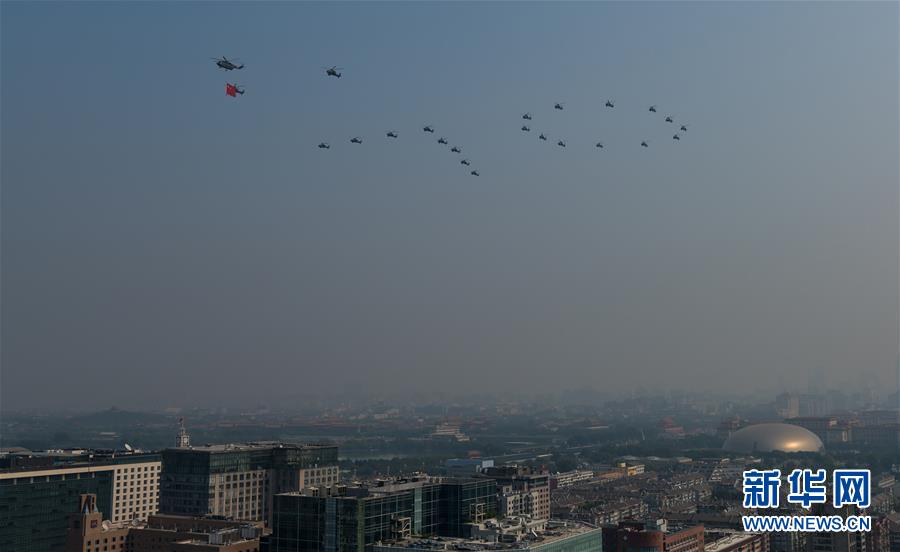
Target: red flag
[231,90]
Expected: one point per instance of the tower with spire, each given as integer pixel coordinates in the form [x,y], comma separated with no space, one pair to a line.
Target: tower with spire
[183,440]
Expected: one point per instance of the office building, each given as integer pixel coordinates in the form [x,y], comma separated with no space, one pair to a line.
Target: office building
[345,519]
[522,491]
[35,502]
[239,481]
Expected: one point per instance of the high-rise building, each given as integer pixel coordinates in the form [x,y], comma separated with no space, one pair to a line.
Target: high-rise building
[353,519]
[845,541]
[239,481]
[787,405]
[522,491]
[36,502]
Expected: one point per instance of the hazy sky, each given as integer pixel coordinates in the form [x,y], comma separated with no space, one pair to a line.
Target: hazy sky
[165,244]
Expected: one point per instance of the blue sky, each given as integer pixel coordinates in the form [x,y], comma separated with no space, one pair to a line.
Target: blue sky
[155,228]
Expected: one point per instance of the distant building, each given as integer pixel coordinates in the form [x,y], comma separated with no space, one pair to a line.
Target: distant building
[893,529]
[467,466]
[812,405]
[760,438]
[88,532]
[630,470]
[449,431]
[652,536]
[612,514]
[878,417]
[729,426]
[522,492]
[787,405]
[820,425]
[877,540]
[239,481]
[679,493]
[567,479]
[35,502]
[669,429]
[353,519]
[880,436]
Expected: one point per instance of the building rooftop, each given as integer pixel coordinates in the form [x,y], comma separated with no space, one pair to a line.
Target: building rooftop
[727,542]
[552,532]
[45,461]
[256,445]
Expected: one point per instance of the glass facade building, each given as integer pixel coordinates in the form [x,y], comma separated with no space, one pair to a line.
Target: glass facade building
[238,481]
[39,491]
[34,510]
[355,521]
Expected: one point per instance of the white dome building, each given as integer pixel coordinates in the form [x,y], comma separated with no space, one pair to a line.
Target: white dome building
[773,437]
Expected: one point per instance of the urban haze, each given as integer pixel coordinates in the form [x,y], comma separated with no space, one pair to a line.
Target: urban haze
[167,246]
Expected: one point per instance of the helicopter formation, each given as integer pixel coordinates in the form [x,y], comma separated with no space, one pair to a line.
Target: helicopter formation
[335,72]
[600,145]
[234,90]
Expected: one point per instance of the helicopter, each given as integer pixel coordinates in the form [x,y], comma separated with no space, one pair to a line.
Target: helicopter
[227,64]
[526,128]
[561,144]
[542,137]
[455,149]
[558,106]
[653,109]
[609,103]
[684,128]
[392,134]
[324,145]
[644,144]
[474,173]
[333,71]
[527,116]
[669,119]
[428,128]
[233,90]
[356,140]
[465,162]
[442,140]
[600,145]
